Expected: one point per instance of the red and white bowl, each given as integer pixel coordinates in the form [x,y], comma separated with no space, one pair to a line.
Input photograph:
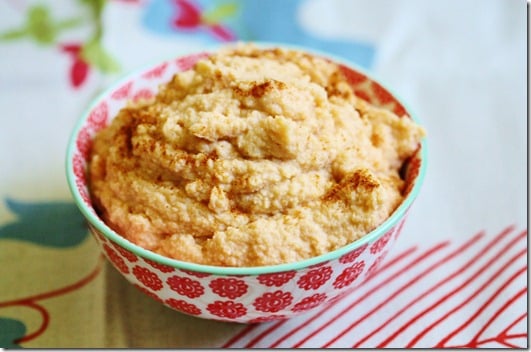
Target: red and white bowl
[248,294]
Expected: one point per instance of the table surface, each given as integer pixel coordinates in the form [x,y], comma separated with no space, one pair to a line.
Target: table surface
[456,277]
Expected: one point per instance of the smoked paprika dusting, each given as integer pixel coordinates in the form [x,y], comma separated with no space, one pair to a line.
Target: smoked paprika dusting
[251,157]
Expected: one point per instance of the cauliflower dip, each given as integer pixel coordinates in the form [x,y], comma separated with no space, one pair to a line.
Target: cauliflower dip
[252,157]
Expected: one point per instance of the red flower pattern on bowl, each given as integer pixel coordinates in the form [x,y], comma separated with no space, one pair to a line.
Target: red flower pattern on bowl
[148,292]
[233,294]
[266,318]
[376,264]
[183,306]
[227,309]
[147,277]
[349,275]
[116,260]
[309,302]
[352,256]
[186,287]
[315,278]
[377,246]
[230,288]
[163,268]
[125,253]
[273,302]
[195,273]
[276,279]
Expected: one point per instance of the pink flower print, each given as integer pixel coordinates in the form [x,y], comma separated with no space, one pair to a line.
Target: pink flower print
[195,273]
[222,32]
[97,234]
[352,256]
[315,278]
[98,117]
[84,142]
[122,92]
[273,302]
[115,259]
[227,309]
[78,72]
[124,252]
[147,277]
[349,275]
[309,302]
[156,72]
[183,306]
[79,68]
[189,17]
[380,244]
[148,292]
[163,268]
[267,318]
[79,167]
[230,288]
[185,286]
[276,279]
[142,95]
[376,263]
[82,189]
[187,62]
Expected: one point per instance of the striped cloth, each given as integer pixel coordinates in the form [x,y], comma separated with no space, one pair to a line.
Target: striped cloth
[452,294]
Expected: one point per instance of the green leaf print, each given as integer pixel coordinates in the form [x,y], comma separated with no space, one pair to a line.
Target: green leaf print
[93,53]
[40,26]
[53,224]
[10,331]
[220,13]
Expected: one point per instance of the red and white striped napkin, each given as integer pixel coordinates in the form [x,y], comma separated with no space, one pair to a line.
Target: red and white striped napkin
[457,293]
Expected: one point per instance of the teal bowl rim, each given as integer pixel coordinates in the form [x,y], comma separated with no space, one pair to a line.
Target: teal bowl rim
[383,228]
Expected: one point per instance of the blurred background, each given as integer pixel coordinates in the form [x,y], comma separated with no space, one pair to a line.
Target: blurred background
[461,65]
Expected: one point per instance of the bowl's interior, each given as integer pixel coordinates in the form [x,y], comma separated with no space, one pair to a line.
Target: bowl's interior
[144,84]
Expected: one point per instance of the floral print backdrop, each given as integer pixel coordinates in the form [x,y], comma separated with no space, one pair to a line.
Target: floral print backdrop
[457,277]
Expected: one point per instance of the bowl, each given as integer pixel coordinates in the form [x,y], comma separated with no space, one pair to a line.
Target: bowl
[236,294]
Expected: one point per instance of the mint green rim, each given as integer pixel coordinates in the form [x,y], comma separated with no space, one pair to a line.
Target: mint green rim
[96,222]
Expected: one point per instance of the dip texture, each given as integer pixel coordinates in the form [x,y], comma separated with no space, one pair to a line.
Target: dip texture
[252,157]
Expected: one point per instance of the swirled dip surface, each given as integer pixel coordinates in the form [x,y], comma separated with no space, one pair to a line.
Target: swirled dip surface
[253,157]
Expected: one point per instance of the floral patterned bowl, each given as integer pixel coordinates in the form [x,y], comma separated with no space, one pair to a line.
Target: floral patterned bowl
[252,294]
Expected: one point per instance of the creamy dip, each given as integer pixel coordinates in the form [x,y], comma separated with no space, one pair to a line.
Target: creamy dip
[252,157]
